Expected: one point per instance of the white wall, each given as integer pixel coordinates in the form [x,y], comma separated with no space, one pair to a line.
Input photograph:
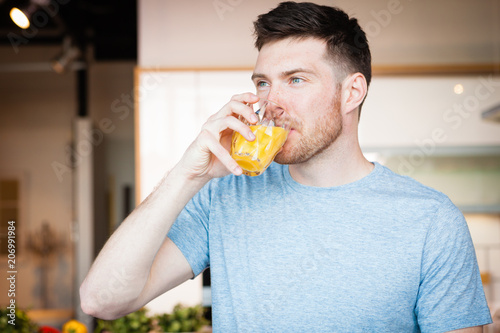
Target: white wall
[424,113]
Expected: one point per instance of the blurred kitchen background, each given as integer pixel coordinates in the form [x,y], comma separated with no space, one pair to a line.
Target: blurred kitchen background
[98,99]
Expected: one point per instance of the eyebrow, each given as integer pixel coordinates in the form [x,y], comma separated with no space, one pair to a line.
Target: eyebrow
[283,74]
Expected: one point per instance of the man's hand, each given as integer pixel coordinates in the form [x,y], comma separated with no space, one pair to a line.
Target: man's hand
[208,156]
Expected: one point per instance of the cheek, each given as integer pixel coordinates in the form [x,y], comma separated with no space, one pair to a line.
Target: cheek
[309,108]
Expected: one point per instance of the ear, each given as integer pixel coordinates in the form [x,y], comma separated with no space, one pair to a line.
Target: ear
[354,90]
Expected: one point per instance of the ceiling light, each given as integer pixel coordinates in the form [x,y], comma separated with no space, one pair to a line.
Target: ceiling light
[458,89]
[21,16]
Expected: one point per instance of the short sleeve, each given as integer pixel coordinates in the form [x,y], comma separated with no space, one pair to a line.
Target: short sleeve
[190,231]
[450,294]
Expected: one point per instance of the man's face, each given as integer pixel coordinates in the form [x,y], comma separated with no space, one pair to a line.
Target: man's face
[296,74]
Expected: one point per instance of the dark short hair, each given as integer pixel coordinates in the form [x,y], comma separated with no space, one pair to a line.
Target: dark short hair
[347,44]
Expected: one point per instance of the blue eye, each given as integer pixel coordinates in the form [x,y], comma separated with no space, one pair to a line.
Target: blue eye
[296,80]
[262,84]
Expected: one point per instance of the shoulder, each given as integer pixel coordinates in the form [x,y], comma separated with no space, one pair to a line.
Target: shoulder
[399,186]
[405,196]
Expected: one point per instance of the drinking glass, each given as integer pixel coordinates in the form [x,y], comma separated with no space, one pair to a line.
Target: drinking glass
[271,132]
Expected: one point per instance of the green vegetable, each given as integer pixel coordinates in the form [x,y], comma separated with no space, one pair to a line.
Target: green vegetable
[135,322]
[183,319]
[18,317]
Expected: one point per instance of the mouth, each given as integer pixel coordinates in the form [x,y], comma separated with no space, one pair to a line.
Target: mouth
[291,134]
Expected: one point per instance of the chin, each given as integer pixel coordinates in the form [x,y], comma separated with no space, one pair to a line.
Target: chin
[285,157]
[280,158]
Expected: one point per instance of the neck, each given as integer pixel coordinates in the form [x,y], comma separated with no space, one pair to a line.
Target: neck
[341,163]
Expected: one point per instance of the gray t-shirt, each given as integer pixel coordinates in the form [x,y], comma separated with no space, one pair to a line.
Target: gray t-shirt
[382,254]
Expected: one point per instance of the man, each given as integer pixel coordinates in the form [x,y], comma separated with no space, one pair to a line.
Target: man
[323,240]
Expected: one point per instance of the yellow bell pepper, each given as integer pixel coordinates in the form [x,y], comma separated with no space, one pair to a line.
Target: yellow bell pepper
[74,326]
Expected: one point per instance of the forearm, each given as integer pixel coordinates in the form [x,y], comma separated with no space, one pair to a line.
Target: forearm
[121,269]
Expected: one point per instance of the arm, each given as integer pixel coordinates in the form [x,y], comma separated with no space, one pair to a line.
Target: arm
[138,262]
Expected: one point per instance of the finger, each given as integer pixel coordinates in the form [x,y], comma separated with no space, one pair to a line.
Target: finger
[217,126]
[237,126]
[247,97]
[223,156]
[240,105]
[235,108]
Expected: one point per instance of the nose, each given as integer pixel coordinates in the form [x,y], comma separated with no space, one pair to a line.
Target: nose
[273,110]
[278,97]
[272,113]
[273,95]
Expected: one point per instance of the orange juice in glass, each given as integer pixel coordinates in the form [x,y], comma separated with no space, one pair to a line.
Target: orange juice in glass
[270,132]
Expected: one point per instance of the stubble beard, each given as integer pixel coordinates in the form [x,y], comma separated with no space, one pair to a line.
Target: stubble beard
[314,140]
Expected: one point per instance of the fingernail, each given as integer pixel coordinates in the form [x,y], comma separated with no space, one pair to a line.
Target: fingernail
[254,118]
[251,136]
